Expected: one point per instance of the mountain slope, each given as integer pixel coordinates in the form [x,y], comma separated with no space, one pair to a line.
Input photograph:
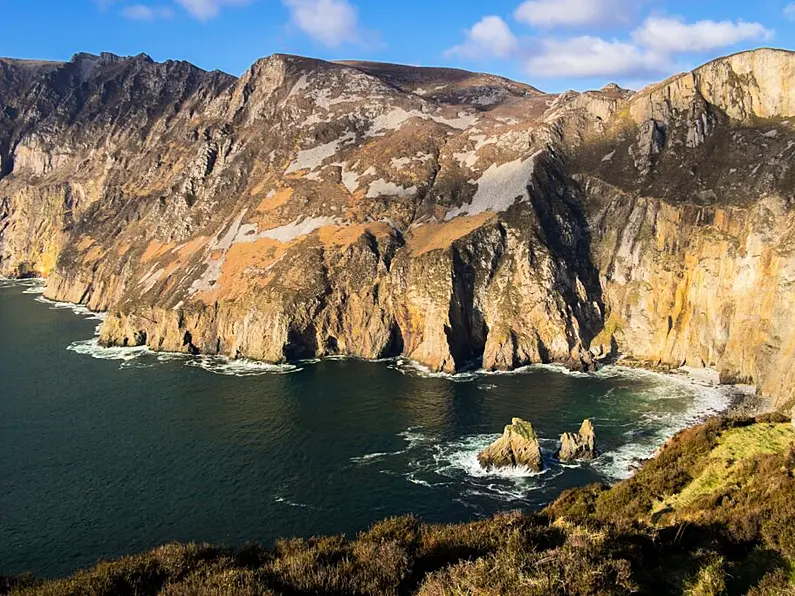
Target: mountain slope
[313,208]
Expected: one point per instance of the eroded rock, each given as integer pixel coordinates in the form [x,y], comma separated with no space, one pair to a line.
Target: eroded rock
[580,446]
[518,446]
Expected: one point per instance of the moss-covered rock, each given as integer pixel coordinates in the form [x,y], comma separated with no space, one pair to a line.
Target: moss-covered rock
[518,446]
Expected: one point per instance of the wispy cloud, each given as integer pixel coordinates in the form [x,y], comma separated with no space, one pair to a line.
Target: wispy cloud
[586,56]
[330,22]
[674,36]
[574,13]
[204,10]
[141,12]
[489,37]
[653,48]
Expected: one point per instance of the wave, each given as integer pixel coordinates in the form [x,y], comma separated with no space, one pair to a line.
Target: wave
[433,463]
[12,282]
[706,400]
[363,459]
[411,367]
[144,357]
[240,367]
[38,288]
[78,309]
[292,503]
[91,347]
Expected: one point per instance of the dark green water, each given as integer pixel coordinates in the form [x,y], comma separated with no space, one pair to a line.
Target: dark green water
[121,451]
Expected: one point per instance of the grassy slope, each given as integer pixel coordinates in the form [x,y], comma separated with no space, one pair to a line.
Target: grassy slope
[713,513]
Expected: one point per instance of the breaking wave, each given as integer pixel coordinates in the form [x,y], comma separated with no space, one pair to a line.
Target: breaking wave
[431,462]
[655,427]
[78,309]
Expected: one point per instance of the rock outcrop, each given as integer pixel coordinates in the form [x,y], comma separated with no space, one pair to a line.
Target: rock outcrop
[580,446]
[517,447]
[312,208]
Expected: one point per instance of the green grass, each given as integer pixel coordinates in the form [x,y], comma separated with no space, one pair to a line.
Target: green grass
[735,446]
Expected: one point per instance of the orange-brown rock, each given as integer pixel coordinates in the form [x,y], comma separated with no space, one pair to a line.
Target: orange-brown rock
[579,446]
[517,447]
[312,208]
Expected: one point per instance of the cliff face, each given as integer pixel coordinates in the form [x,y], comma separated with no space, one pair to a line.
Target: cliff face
[313,208]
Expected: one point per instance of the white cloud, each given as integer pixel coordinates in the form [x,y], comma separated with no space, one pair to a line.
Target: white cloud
[331,22]
[204,10]
[574,13]
[672,35]
[489,37]
[583,57]
[141,12]
[789,11]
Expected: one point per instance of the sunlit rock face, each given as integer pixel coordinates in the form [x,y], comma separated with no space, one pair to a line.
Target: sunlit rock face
[313,208]
[517,447]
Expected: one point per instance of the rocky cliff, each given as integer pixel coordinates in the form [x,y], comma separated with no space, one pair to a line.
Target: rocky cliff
[313,208]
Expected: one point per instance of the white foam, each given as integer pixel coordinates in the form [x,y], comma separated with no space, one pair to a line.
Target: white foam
[410,367]
[292,503]
[38,288]
[375,456]
[696,387]
[707,400]
[435,463]
[240,367]
[78,309]
[91,347]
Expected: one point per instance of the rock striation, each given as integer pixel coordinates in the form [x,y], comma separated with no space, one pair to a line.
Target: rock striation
[313,208]
[518,446]
[580,446]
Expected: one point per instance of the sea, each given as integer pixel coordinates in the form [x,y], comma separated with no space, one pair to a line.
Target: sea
[111,451]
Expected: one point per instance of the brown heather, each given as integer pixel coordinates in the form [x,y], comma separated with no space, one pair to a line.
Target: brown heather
[735,536]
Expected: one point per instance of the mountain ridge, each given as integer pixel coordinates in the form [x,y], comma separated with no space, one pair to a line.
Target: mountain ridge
[311,208]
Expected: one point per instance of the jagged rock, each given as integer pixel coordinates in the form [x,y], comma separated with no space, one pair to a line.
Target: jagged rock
[518,446]
[650,142]
[311,208]
[580,446]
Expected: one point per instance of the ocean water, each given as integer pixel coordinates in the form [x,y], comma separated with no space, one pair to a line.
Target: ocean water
[105,452]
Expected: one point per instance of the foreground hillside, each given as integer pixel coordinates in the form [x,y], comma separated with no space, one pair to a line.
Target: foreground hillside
[712,514]
[458,219]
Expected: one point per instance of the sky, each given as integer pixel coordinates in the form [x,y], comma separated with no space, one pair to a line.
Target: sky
[551,44]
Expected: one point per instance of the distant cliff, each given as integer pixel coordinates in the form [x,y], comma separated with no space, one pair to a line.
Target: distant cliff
[313,208]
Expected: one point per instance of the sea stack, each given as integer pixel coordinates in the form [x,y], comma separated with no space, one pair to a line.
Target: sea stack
[580,446]
[518,446]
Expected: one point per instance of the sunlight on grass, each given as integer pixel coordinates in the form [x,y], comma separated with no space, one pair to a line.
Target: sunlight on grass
[734,448]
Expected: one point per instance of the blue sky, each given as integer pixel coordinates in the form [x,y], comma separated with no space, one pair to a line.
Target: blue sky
[552,44]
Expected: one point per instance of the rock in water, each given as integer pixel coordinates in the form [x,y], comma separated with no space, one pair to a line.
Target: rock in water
[518,446]
[580,446]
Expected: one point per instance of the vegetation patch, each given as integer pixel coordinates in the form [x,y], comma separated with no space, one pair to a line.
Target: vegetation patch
[727,528]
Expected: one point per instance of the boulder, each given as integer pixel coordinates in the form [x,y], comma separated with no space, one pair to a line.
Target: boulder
[580,446]
[518,446]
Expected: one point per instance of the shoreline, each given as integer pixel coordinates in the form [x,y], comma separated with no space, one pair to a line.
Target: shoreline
[744,401]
